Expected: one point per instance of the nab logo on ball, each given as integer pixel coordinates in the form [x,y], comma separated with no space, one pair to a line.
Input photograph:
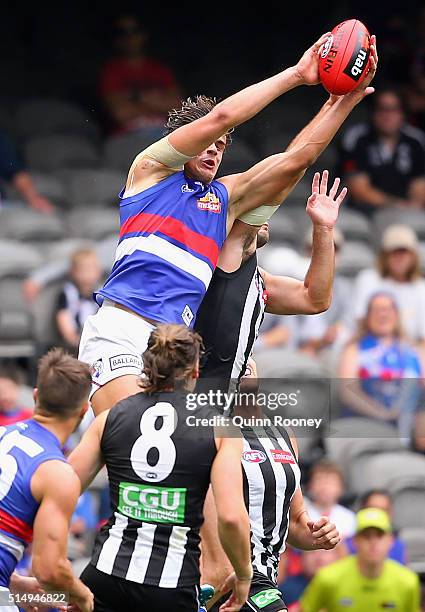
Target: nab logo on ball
[254,456]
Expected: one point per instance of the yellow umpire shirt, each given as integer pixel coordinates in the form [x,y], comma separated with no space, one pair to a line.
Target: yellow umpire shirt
[340,587]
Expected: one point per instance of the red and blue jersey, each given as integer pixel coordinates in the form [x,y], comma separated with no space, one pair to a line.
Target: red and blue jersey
[170,238]
[24,447]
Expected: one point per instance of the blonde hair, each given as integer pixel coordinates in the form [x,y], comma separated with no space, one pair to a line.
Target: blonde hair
[413,273]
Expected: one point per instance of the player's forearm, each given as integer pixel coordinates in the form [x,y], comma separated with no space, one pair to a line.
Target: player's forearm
[299,535]
[246,103]
[320,275]
[234,538]
[57,575]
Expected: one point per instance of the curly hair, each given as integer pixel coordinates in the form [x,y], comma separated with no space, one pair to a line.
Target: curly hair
[172,354]
[191,110]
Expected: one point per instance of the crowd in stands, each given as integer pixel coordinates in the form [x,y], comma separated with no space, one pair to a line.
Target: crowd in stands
[372,338]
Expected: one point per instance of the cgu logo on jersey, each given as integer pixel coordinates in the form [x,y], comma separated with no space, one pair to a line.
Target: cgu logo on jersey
[209,202]
[254,456]
[152,504]
[266,597]
[282,456]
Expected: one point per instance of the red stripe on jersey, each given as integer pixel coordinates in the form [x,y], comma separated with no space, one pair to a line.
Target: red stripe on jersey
[16,527]
[145,222]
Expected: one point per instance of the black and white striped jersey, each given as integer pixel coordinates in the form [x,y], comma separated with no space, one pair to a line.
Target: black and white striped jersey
[159,475]
[229,320]
[271,477]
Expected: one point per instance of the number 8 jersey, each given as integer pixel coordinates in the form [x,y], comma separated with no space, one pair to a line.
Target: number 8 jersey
[23,448]
[159,473]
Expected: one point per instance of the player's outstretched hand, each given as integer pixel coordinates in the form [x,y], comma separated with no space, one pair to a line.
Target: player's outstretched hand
[324,534]
[308,66]
[240,592]
[364,89]
[322,208]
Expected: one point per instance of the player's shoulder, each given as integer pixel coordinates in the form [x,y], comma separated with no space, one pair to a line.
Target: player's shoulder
[402,573]
[354,135]
[414,134]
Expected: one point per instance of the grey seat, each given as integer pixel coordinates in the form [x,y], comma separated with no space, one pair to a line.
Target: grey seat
[354,226]
[391,216]
[120,151]
[39,117]
[29,225]
[16,321]
[414,538]
[353,441]
[355,256]
[93,223]
[57,251]
[282,228]
[17,259]
[403,475]
[48,153]
[96,186]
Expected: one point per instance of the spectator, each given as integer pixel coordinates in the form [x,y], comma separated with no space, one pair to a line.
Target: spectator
[384,160]
[10,409]
[376,364]
[294,586]
[75,302]
[397,272]
[367,581]
[381,499]
[13,171]
[325,489]
[274,333]
[415,91]
[137,90]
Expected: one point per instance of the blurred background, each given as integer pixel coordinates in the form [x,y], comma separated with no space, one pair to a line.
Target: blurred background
[85,88]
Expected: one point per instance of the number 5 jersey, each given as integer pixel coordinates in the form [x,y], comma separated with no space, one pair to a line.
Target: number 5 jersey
[24,447]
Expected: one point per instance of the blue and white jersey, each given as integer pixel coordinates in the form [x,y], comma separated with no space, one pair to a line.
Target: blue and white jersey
[170,239]
[24,447]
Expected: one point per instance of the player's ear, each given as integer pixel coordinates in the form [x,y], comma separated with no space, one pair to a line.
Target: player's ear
[84,408]
[195,371]
[35,394]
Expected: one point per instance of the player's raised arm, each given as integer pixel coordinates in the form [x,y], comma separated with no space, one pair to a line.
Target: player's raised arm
[57,487]
[86,459]
[271,180]
[193,138]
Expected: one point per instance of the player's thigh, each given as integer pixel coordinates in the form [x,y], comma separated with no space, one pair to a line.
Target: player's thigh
[114,391]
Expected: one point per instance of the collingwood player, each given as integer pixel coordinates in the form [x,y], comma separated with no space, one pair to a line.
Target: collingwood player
[240,292]
[147,556]
[273,498]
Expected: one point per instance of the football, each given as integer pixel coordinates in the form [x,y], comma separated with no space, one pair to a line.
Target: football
[344,58]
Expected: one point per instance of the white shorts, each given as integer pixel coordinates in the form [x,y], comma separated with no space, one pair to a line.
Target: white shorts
[112,343]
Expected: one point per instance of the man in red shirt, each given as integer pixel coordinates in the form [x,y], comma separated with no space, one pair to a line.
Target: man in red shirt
[138,91]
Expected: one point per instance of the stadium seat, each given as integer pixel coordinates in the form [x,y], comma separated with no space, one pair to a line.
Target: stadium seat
[43,310]
[93,223]
[16,322]
[403,475]
[414,538]
[94,186]
[354,226]
[17,259]
[238,157]
[391,216]
[28,225]
[282,228]
[355,256]
[56,251]
[48,185]
[48,153]
[352,440]
[278,258]
[120,151]
[42,117]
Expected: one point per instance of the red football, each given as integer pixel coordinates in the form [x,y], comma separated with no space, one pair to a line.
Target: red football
[344,58]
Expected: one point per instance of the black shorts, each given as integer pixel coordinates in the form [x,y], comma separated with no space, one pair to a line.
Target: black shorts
[264,596]
[113,594]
